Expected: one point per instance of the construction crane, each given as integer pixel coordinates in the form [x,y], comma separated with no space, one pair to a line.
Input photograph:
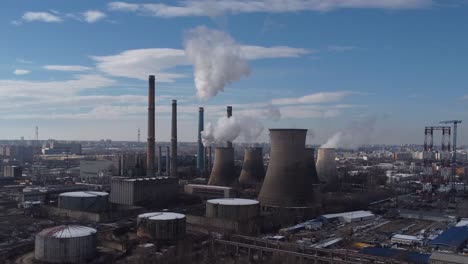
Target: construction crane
[454,145]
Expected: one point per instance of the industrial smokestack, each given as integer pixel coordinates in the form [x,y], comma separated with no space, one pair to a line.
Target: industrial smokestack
[159,161]
[253,171]
[168,161]
[174,139]
[150,147]
[222,173]
[311,171]
[286,183]
[229,114]
[210,159]
[326,168]
[200,155]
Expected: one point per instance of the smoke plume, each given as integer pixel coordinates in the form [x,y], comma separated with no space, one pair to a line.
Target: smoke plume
[216,58]
[229,129]
[355,135]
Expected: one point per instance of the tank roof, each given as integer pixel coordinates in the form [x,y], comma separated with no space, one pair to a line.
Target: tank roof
[233,201]
[161,216]
[67,231]
[84,194]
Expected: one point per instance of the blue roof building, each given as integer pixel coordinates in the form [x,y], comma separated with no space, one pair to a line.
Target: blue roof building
[451,239]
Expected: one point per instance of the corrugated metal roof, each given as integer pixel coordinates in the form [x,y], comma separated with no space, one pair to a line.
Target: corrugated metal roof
[452,258]
[397,254]
[452,237]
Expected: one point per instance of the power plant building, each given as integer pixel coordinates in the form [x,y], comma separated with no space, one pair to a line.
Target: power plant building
[139,191]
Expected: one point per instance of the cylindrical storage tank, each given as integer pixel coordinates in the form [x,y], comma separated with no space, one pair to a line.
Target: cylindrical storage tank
[84,201]
[286,183]
[164,226]
[232,208]
[326,168]
[65,244]
[222,173]
[253,172]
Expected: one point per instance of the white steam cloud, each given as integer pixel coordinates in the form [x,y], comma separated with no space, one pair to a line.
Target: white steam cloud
[229,129]
[355,135]
[217,60]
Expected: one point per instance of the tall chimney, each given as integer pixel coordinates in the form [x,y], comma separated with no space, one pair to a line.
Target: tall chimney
[150,147]
[229,114]
[159,161]
[200,155]
[168,161]
[174,139]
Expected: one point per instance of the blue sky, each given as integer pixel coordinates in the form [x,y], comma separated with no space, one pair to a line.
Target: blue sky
[78,69]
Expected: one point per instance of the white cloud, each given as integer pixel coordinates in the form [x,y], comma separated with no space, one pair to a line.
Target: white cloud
[216,8]
[21,72]
[139,63]
[41,17]
[315,98]
[92,16]
[337,48]
[68,68]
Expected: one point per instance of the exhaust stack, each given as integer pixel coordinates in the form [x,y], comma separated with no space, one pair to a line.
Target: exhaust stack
[253,171]
[168,162]
[222,173]
[150,148]
[200,154]
[286,183]
[159,161]
[229,114]
[174,139]
[326,168]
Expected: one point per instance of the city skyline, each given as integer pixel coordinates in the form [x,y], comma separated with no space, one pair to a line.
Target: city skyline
[79,70]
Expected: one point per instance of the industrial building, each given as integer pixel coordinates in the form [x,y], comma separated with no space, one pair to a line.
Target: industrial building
[452,239]
[210,191]
[406,240]
[53,147]
[96,171]
[137,191]
[12,171]
[348,217]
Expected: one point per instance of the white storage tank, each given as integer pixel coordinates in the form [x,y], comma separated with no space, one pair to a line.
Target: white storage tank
[87,201]
[232,208]
[161,225]
[65,244]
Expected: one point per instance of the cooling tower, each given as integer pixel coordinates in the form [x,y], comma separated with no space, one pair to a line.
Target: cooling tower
[150,147]
[222,173]
[253,172]
[200,155]
[326,167]
[174,139]
[286,183]
[311,171]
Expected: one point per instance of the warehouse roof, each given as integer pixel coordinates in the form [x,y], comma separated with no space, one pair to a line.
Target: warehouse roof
[84,194]
[162,216]
[399,236]
[397,254]
[353,214]
[447,257]
[452,237]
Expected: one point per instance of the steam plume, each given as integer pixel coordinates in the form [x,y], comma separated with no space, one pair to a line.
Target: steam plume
[229,129]
[356,134]
[217,60]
